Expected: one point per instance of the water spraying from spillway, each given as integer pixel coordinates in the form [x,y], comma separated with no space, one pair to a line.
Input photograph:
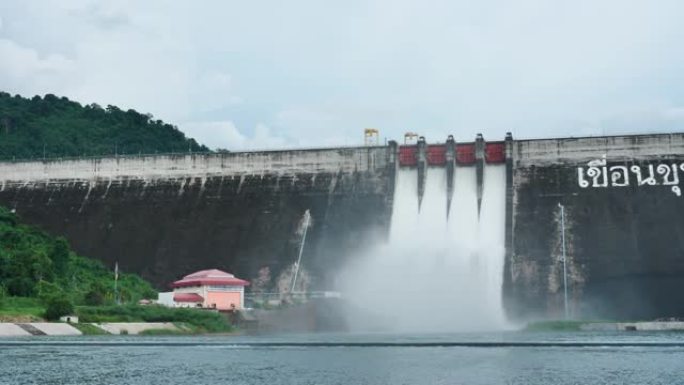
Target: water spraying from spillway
[436,274]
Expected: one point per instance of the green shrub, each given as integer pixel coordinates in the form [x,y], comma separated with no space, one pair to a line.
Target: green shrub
[21,286]
[46,291]
[200,320]
[162,332]
[57,307]
[94,297]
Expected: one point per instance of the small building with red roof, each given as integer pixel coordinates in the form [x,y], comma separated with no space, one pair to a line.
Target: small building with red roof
[212,289]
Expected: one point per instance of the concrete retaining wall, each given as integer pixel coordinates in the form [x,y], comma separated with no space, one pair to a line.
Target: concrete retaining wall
[40,328]
[56,329]
[134,327]
[634,326]
[12,330]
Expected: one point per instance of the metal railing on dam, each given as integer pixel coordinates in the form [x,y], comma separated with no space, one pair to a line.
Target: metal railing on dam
[178,153]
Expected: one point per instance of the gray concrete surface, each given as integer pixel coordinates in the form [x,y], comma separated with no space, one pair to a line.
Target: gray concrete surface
[634,326]
[134,327]
[12,330]
[8,329]
[200,166]
[56,329]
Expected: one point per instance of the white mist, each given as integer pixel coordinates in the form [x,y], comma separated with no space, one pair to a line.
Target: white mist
[435,275]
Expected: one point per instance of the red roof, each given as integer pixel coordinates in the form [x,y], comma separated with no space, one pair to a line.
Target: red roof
[187,297]
[210,277]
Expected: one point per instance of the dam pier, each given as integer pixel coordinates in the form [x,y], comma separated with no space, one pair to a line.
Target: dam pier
[479,218]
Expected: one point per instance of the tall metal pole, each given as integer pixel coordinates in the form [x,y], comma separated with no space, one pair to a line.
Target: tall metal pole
[565,269]
[307,218]
[116,281]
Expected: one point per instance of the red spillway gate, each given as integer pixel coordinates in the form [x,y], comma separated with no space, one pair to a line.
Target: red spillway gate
[465,153]
[436,154]
[408,155]
[495,152]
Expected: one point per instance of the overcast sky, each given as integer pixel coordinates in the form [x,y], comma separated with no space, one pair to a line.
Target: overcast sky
[265,74]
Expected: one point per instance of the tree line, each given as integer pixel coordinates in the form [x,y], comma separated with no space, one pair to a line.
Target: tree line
[51,126]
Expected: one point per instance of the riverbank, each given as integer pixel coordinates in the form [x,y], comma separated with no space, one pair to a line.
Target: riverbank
[120,319]
[27,316]
[578,326]
[9,329]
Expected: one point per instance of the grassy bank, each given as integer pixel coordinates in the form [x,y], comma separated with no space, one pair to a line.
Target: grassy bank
[197,321]
[189,321]
[183,329]
[89,329]
[21,308]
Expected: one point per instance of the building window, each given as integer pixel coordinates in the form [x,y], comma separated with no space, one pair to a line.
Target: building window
[224,288]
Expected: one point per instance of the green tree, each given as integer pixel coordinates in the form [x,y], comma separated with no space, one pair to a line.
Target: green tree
[97,295]
[46,291]
[58,307]
[3,294]
[20,286]
[60,255]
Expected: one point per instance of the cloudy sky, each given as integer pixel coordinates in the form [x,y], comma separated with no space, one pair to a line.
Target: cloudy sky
[267,74]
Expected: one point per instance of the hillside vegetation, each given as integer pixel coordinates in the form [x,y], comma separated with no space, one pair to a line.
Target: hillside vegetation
[36,265]
[40,277]
[52,126]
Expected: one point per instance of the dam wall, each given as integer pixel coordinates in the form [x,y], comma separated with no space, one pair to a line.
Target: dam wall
[164,216]
[623,227]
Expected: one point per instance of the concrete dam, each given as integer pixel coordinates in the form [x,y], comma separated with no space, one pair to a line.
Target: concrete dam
[467,227]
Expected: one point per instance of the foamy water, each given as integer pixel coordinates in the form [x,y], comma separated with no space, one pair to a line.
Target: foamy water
[434,274]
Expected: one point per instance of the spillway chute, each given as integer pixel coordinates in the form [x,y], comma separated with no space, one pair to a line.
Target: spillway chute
[442,267]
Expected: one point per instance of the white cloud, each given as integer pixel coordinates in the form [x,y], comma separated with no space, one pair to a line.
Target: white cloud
[224,134]
[655,119]
[117,54]
[317,74]
[674,114]
[28,71]
[213,90]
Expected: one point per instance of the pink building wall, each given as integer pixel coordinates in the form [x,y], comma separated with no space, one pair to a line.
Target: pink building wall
[223,300]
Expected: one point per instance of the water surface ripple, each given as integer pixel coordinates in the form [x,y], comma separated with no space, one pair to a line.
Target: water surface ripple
[506,358]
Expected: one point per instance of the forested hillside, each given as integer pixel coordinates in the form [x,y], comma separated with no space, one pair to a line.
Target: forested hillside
[35,264]
[58,127]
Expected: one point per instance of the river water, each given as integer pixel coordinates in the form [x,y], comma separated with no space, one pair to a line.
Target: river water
[505,358]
